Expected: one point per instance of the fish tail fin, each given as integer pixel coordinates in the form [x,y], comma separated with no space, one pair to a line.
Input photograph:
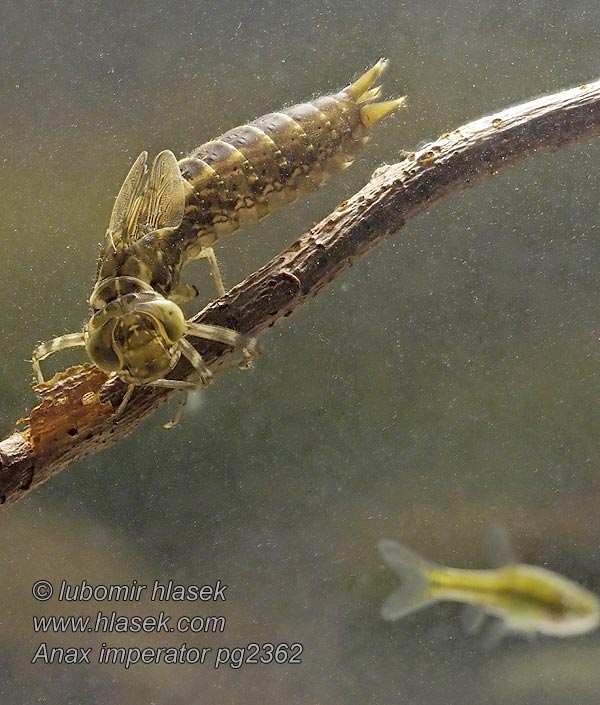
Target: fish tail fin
[413,570]
[362,93]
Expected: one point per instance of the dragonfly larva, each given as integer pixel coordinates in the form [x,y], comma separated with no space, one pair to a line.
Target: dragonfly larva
[174,213]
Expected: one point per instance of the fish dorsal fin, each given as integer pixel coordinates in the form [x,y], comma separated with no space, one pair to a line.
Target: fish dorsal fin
[413,570]
[497,546]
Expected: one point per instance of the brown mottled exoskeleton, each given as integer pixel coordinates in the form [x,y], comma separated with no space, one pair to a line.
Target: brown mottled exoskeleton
[174,213]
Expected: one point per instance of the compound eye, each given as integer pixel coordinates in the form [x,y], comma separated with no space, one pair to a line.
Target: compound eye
[171,317]
[99,347]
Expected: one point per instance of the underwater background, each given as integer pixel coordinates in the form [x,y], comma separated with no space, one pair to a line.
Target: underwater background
[446,381]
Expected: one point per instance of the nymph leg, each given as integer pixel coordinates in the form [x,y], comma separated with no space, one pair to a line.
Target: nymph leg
[72,340]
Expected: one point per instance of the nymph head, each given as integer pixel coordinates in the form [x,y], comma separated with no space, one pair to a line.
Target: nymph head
[136,336]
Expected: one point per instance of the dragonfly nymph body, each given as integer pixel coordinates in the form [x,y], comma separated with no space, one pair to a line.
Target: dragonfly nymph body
[174,213]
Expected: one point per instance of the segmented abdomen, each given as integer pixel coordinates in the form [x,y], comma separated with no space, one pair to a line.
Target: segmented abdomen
[254,169]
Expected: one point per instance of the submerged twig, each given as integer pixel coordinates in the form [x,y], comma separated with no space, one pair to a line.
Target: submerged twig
[75,417]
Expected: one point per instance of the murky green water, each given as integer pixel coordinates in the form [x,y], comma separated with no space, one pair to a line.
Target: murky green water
[448,380]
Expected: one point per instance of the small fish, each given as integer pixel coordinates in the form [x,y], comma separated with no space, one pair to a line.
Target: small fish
[526,598]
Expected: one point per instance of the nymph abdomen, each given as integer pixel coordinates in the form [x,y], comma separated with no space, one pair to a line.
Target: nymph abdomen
[255,169]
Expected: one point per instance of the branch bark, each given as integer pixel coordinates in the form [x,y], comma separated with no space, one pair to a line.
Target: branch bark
[75,417]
